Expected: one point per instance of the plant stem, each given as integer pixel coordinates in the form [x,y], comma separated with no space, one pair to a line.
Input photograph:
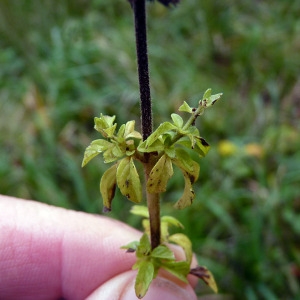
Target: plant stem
[139,9]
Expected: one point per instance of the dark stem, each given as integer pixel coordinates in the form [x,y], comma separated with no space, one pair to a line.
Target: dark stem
[139,9]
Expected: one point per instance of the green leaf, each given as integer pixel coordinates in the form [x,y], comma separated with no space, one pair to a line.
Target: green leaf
[204,274]
[144,278]
[108,186]
[177,120]
[201,146]
[162,128]
[140,210]
[163,252]
[95,148]
[128,180]
[131,246]
[180,269]
[206,94]
[154,147]
[185,107]
[105,125]
[144,248]
[208,99]
[160,175]
[130,132]
[188,193]
[112,153]
[187,164]
[184,242]
[171,221]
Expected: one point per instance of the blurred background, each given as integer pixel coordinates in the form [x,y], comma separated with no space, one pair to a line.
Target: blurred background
[63,64]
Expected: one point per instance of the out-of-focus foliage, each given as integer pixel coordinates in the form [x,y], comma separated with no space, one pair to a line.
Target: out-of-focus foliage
[63,63]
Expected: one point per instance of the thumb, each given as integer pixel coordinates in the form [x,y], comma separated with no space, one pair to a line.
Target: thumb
[121,287]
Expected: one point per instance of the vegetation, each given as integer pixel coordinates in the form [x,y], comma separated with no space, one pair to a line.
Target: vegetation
[62,65]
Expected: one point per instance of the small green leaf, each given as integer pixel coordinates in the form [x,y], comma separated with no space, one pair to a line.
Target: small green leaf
[154,147]
[95,148]
[162,128]
[184,242]
[188,193]
[204,274]
[128,180]
[108,186]
[180,269]
[177,120]
[144,247]
[131,246]
[112,153]
[163,252]
[185,107]
[171,221]
[160,175]
[201,146]
[105,125]
[206,94]
[140,210]
[144,278]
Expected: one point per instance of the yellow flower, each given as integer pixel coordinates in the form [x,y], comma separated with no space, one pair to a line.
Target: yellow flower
[227,148]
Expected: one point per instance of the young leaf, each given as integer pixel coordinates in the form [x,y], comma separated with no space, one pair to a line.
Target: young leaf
[160,175]
[204,274]
[144,278]
[140,210]
[185,107]
[161,129]
[128,180]
[105,125]
[180,269]
[177,120]
[171,221]
[184,242]
[108,186]
[131,247]
[144,247]
[96,147]
[156,146]
[163,252]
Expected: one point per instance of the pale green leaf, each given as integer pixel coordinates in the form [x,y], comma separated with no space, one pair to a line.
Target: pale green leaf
[171,221]
[184,242]
[154,147]
[121,131]
[144,247]
[140,210]
[163,252]
[96,147]
[188,193]
[128,180]
[177,120]
[132,245]
[206,94]
[185,107]
[201,146]
[144,278]
[162,128]
[104,123]
[160,175]
[108,186]
[180,269]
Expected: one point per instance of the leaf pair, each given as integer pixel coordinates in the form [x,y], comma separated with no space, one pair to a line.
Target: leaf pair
[125,175]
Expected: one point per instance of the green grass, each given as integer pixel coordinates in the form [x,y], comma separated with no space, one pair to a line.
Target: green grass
[63,64]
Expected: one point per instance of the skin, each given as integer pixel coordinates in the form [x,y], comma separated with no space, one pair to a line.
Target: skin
[48,252]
